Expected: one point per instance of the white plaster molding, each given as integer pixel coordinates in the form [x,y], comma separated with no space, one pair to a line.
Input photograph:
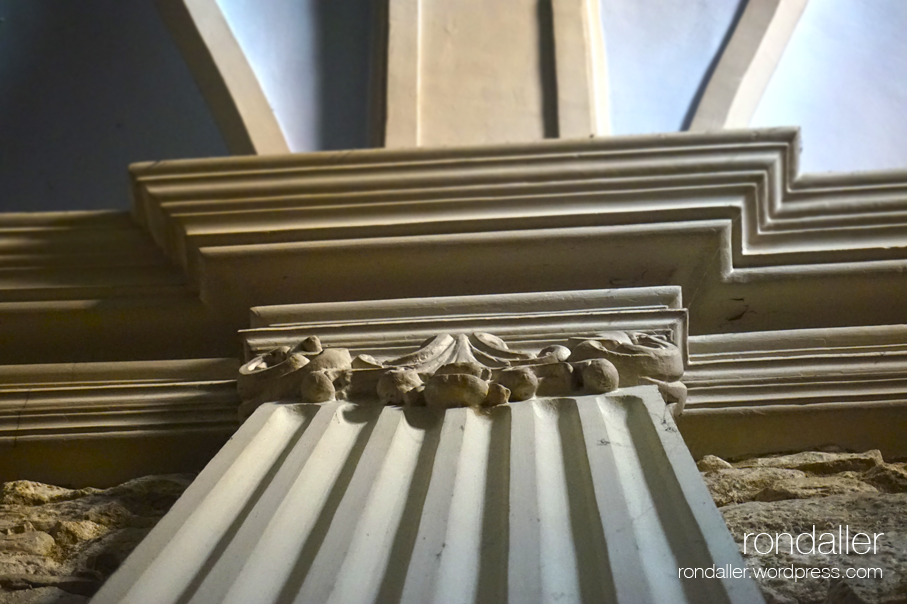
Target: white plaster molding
[79,255]
[803,366]
[224,76]
[394,326]
[844,387]
[749,393]
[85,400]
[722,214]
[92,286]
[741,432]
[747,64]
[590,498]
[99,424]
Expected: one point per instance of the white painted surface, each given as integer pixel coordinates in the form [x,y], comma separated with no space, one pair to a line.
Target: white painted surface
[338,503]
[311,58]
[659,54]
[278,38]
[747,63]
[838,79]
[842,81]
[482,74]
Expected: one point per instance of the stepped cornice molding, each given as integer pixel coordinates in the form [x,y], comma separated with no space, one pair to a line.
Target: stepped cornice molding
[724,215]
[188,205]
[805,366]
[55,256]
[67,278]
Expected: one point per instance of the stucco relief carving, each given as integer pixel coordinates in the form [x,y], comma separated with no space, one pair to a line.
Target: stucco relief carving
[465,370]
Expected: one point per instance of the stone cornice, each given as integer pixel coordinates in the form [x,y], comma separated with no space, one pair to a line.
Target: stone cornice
[765,392]
[310,241]
[67,278]
[860,365]
[724,215]
[393,326]
[237,202]
[91,400]
[721,215]
[57,256]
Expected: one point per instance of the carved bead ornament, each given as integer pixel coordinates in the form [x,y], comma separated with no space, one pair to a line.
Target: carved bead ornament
[474,370]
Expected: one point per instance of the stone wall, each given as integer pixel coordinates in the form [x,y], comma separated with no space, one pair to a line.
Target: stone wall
[59,545]
[826,490]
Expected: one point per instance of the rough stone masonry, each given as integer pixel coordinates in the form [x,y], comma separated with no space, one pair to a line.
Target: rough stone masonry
[59,545]
[826,490]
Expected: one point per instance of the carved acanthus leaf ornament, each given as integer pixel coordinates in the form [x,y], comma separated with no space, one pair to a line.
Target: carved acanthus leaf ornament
[464,370]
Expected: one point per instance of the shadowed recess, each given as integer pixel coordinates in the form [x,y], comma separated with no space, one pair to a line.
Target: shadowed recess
[547,65]
[595,581]
[401,551]
[345,31]
[263,484]
[493,556]
[320,529]
[672,508]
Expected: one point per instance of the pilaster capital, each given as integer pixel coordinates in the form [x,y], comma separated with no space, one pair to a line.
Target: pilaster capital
[475,369]
[467,351]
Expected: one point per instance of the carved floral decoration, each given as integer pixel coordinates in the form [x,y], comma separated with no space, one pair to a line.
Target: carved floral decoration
[474,370]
